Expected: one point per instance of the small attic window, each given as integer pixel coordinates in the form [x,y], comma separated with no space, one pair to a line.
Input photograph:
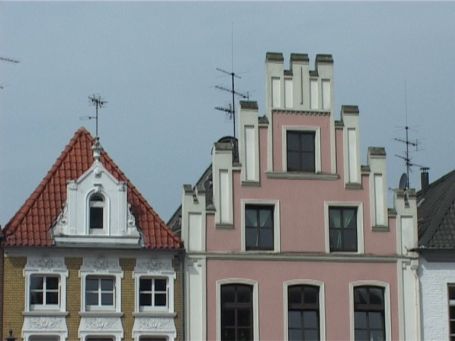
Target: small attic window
[96,206]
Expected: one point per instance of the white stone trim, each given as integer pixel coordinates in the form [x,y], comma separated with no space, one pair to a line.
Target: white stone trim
[286,284]
[276,222]
[254,284]
[317,144]
[195,298]
[360,237]
[387,316]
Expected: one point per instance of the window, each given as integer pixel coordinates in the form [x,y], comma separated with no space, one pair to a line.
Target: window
[259,223]
[343,228]
[96,206]
[44,338]
[300,151]
[99,293]
[236,312]
[44,291]
[452,312]
[369,317]
[152,293]
[303,312]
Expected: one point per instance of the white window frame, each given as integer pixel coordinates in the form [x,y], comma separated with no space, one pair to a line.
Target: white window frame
[387,316]
[45,306]
[313,282]
[106,213]
[276,223]
[152,307]
[99,292]
[360,237]
[317,144]
[255,286]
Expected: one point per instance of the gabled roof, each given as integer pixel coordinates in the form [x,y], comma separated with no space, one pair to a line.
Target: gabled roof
[436,214]
[31,225]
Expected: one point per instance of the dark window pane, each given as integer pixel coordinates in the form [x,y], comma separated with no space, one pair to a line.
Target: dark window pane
[244,317]
[350,240]
[310,319]
[36,298]
[311,294]
[361,295]
[227,293]
[251,238]
[52,283]
[300,151]
[452,312]
[250,217]
[96,217]
[228,318]
[36,282]
[160,300]
[145,284]
[266,218]
[259,227]
[145,299]
[293,141]
[376,320]
[91,298]
[294,159]
[295,335]
[244,334]
[452,293]
[362,335]
[294,295]
[343,228]
[236,312]
[228,334]
[266,239]
[335,218]
[377,335]
[107,299]
[51,298]
[243,293]
[369,313]
[311,335]
[360,319]
[336,242]
[377,296]
[308,162]
[107,284]
[160,285]
[295,319]
[91,284]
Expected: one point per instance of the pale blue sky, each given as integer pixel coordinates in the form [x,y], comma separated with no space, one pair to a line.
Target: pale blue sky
[155,64]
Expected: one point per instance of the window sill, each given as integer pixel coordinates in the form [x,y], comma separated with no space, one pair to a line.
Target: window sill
[302,176]
[353,186]
[100,313]
[380,228]
[225,226]
[251,183]
[45,312]
[154,314]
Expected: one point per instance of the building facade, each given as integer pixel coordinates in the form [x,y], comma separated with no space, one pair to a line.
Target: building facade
[87,258]
[436,215]
[288,235]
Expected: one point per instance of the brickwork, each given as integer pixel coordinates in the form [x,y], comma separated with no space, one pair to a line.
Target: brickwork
[14,289]
[73,296]
[128,297]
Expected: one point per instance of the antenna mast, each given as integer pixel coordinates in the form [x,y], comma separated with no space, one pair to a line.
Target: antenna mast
[98,102]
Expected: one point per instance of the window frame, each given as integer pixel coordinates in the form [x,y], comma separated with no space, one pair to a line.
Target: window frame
[310,282]
[106,212]
[342,230]
[276,223]
[45,306]
[152,307]
[317,146]
[99,291]
[360,234]
[245,281]
[387,314]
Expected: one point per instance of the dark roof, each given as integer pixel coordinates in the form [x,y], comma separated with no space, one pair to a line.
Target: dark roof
[436,214]
[31,225]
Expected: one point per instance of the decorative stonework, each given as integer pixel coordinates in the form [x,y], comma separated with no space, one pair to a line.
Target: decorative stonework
[154,325]
[153,265]
[131,218]
[109,325]
[99,323]
[44,323]
[45,263]
[101,264]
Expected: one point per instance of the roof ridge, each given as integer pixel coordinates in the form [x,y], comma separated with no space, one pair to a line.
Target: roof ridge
[27,205]
[436,182]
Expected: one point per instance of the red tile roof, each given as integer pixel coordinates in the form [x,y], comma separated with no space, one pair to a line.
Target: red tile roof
[31,225]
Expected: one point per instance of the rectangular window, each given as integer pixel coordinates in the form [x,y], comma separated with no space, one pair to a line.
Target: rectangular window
[303,312]
[43,338]
[452,312]
[314,93]
[276,93]
[288,93]
[99,293]
[301,148]
[369,319]
[259,225]
[44,291]
[236,312]
[326,94]
[152,293]
[343,228]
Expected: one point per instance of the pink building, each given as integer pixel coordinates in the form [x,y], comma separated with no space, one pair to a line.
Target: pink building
[288,235]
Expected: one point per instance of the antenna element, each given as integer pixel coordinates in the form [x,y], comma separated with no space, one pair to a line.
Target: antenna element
[98,102]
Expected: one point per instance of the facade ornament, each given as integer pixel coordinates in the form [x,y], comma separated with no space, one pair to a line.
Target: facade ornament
[100,264]
[100,323]
[153,265]
[45,263]
[131,218]
[46,323]
[151,324]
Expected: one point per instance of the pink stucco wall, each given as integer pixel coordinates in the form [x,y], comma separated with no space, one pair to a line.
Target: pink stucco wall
[271,275]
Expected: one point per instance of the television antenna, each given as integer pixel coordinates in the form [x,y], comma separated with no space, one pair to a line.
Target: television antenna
[98,102]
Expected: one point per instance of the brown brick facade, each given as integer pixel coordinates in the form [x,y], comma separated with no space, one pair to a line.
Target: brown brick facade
[73,297]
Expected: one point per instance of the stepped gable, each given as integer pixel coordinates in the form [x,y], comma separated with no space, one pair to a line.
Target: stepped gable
[31,225]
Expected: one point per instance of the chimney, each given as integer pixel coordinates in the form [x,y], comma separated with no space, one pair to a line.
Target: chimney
[424,178]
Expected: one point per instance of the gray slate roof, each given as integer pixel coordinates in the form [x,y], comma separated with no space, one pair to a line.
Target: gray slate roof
[436,214]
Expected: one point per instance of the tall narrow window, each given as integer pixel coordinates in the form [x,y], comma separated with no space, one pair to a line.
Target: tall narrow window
[303,312]
[236,312]
[343,228]
[259,225]
[369,319]
[452,312]
[300,151]
[96,206]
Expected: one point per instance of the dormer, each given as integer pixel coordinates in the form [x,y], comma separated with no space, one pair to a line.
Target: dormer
[96,211]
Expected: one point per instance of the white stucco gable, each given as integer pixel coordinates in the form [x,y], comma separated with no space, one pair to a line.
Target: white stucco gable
[96,211]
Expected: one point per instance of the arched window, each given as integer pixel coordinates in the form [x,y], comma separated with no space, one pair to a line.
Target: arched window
[303,312]
[369,313]
[96,211]
[236,312]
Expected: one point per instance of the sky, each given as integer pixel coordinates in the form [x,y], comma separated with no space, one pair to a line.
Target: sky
[155,63]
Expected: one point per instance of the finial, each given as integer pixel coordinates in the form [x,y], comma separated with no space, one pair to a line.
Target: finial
[96,148]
